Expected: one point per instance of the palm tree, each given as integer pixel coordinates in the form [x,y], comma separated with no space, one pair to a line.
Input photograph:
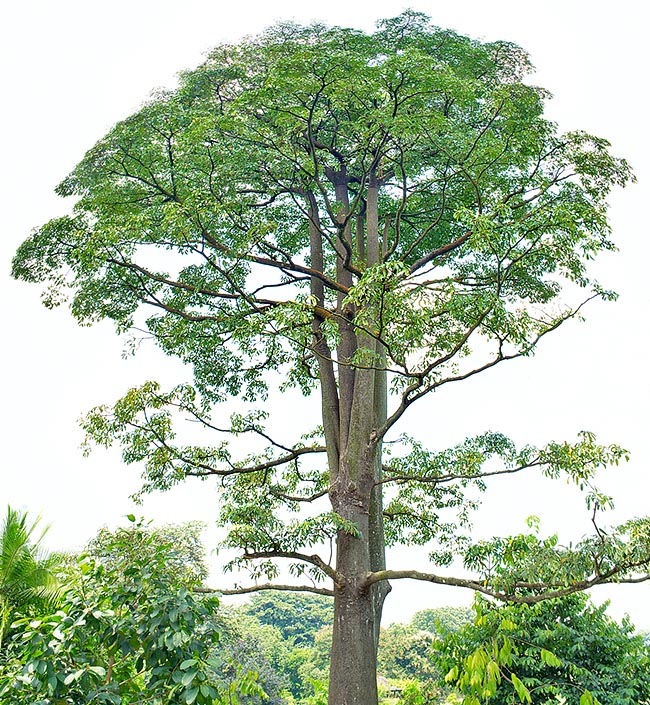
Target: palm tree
[27,581]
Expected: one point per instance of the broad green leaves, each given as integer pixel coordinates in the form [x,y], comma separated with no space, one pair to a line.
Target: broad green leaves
[127,631]
[565,649]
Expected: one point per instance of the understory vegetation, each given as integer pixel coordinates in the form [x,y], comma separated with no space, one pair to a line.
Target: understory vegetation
[130,620]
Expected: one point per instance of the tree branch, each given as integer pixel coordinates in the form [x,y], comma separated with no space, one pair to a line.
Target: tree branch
[313,559]
[297,498]
[418,264]
[548,591]
[450,477]
[207,470]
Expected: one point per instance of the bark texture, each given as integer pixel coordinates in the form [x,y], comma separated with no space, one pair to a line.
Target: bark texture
[353,410]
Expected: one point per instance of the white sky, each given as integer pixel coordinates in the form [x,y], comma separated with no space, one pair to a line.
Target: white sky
[72,68]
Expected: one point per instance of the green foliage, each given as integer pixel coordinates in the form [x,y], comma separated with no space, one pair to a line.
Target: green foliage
[645,635]
[244,653]
[297,616]
[419,693]
[324,209]
[198,208]
[293,632]
[126,632]
[181,543]
[526,562]
[404,653]
[564,648]
[440,620]
[429,482]
[314,666]
[319,696]
[28,582]
[475,185]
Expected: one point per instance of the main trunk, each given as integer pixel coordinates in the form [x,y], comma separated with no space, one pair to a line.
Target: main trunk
[354,409]
[356,496]
[357,607]
[353,672]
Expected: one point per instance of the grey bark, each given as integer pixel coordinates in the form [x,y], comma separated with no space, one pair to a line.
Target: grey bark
[356,496]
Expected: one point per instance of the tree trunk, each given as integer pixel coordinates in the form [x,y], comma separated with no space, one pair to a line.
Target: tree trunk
[355,492]
[353,670]
[357,606]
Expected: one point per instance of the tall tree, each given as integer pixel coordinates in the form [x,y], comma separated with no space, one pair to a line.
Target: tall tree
[372,216]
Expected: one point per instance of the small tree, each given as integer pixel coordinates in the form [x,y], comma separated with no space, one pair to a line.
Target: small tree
[126,631]
[558,649]
[369,216]
[181,545]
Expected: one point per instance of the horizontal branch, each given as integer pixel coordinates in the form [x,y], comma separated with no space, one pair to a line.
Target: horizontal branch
[206,470]
[313,559]
[451,477]
[266,586]
[547,592]
[380,575]
[297,498]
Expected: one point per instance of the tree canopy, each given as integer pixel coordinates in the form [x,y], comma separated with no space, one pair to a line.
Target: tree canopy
[372,217]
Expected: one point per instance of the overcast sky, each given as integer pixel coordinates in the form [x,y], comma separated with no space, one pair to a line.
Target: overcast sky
[72,68]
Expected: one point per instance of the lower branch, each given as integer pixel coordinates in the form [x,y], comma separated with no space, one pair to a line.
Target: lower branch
[314,559]
[548,591]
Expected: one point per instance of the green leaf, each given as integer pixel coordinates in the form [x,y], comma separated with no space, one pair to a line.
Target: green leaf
[493,672]
[550,659]
[521,689]
[190,695]
[586,698]
[70,678]
[452,675]
[188,677]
